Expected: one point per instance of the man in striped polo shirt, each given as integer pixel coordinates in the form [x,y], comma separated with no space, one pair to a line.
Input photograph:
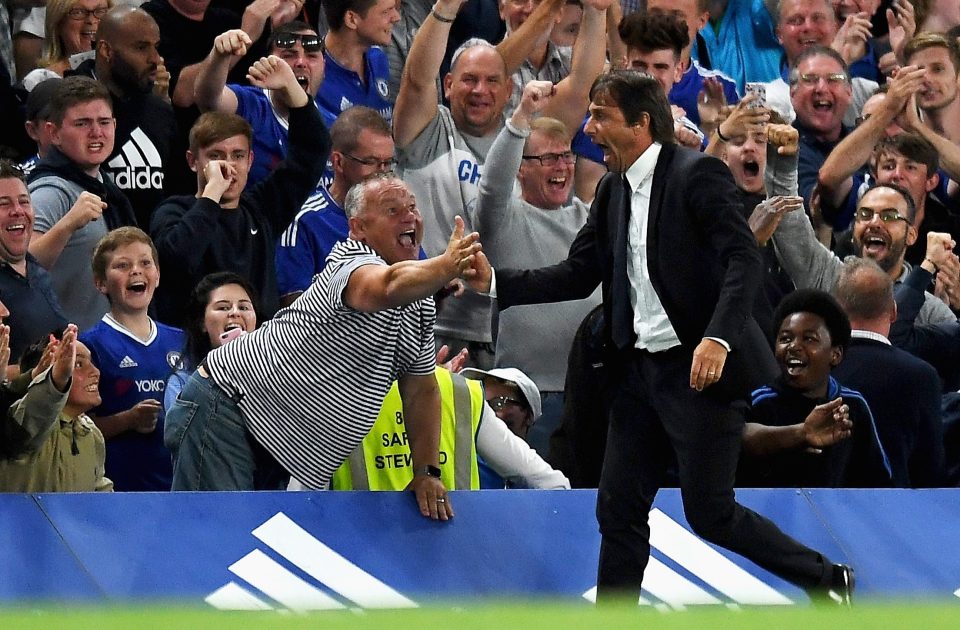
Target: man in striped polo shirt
[298,394]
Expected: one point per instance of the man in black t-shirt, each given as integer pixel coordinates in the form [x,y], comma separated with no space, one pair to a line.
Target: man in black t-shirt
[145,152]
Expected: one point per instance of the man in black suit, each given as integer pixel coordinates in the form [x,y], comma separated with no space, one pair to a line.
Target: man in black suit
[903,392]
[679,275]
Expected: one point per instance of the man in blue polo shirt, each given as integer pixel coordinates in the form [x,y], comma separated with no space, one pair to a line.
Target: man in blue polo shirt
[301,48]
[357,70]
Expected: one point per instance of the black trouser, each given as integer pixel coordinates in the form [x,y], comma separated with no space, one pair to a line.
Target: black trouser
[654,410]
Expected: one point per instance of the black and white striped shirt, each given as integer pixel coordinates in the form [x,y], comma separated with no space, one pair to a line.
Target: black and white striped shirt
[311,381]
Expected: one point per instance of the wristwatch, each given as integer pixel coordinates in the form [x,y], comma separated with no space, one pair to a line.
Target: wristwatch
[430,471]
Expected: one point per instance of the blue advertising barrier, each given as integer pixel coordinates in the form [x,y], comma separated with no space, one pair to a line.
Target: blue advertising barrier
[307,551]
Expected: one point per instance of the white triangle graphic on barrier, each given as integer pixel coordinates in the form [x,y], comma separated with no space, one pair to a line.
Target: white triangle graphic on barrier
[702,561]
[291,591]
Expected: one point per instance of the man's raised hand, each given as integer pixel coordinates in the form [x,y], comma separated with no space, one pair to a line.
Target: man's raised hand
[273,73]
[232,43]
[462,248]
[65,358]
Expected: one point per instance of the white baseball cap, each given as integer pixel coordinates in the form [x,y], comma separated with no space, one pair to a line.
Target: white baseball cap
[512,375]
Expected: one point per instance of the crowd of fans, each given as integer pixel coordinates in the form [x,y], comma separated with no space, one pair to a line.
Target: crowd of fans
[234,146]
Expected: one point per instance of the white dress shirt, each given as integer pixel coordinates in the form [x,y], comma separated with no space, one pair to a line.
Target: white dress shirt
[654,331]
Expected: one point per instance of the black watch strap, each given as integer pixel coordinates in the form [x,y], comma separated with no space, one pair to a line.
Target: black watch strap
[430,471]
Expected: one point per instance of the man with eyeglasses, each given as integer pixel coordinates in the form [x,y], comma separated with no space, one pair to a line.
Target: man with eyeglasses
[532,231]
[361,146]
[883,229]
[921,160]
[295,43]
[512,395]
[442,150]
[802,25]
[820,92]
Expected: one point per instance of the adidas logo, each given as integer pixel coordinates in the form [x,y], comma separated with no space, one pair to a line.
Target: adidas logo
[138,166]
[128,362]
[324,566]
[696,574]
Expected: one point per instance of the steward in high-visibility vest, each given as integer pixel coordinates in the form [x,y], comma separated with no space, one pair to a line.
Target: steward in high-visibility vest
[383,461]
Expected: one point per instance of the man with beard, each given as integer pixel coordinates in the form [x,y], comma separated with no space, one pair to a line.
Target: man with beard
[127,63]
[919,159]
[882,230]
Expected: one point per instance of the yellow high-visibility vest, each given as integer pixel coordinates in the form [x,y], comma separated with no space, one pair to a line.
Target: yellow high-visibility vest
[383,460]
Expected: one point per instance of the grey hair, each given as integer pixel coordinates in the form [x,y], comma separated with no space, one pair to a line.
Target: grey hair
[471,43]
[355,202]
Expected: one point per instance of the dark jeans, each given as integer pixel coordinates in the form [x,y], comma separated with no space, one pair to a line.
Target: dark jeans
[212,448]
[654,413]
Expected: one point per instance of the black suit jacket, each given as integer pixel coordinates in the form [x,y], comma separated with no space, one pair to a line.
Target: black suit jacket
[704,263]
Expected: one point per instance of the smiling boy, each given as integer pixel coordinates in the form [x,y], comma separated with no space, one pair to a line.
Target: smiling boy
[805,429]
[135,356]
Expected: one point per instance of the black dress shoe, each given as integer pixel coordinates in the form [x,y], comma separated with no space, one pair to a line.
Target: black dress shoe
[839,591]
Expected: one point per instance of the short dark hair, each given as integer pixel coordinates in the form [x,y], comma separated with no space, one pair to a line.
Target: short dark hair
[656,30]
[637,93]
[213,127]
[922,41]
[911,206]
[819,303]
[198,341]
[913,147]
[347,127]
[335,10]
[863,289]
[9,170]
[817,51]
[74,91]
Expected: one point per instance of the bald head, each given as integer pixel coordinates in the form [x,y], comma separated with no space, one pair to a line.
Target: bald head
[478,88]
[865,291]
[113,22]
[127,56]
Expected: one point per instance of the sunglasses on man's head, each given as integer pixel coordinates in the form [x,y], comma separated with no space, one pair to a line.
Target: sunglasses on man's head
[310,43]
